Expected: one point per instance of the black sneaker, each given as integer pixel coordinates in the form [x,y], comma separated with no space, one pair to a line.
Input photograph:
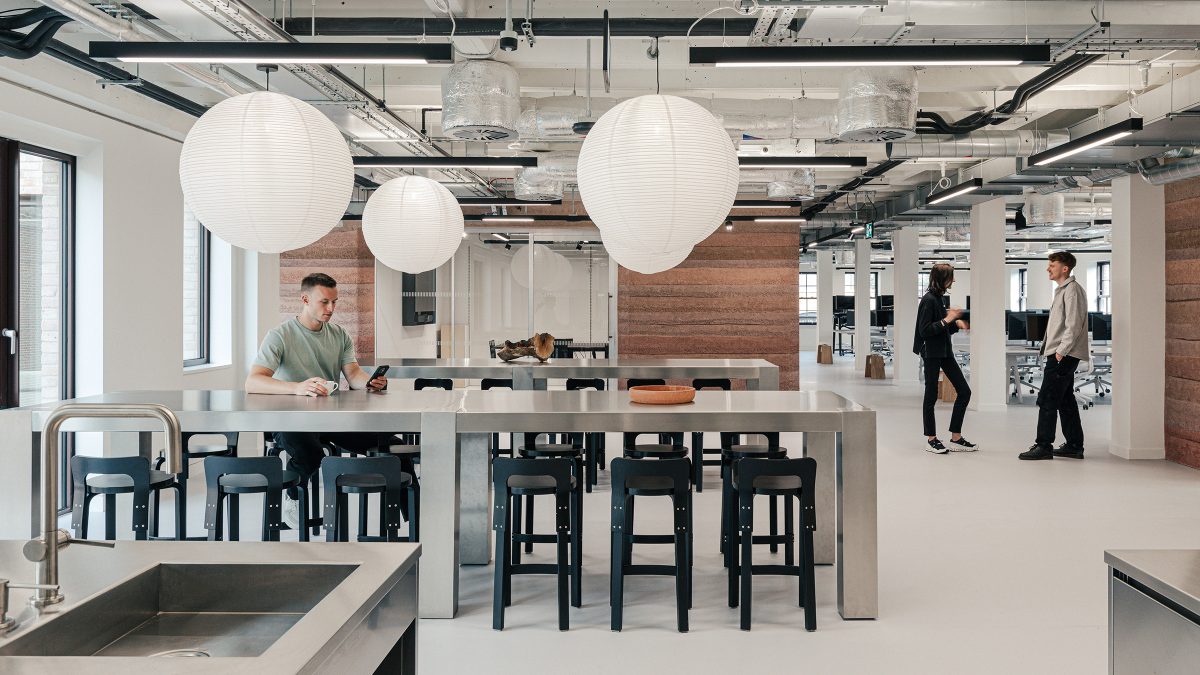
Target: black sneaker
[1037,451]
[1068,450]
[962,445]
[935,446]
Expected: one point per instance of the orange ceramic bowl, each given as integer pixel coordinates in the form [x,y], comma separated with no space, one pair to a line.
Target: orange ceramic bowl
[662,394]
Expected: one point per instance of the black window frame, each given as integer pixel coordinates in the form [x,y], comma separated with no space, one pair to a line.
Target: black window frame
[205,299]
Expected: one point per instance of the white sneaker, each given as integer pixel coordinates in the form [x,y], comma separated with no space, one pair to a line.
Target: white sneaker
[290,512]
[962,445]
[935,446]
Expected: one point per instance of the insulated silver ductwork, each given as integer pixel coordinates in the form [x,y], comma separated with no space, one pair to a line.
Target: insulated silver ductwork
[799,185]
[1045,209]
[537,184]
[876,105]
[551,117]
[1169,173]
[982,144]
[563,166]
[481,101]
[1097,177]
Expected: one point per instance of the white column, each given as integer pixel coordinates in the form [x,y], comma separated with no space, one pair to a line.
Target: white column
[989,376]
[1039,290]
[905,271]
[862,303]
[825,297]
[1139,314]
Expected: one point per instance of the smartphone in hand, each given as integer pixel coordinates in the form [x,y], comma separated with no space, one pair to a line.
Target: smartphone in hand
[380,371]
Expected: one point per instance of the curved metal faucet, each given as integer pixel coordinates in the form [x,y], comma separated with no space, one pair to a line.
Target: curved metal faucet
[44,550]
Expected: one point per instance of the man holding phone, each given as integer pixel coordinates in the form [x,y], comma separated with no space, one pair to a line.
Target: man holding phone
[306,356]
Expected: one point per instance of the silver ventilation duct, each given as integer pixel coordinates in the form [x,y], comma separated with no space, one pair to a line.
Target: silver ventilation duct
[876,105]
[1097,177]
[562,166]
[773,119]
[799,185]
[536,184]
[1045,209]
[1170,173]
[551,117]
[982,144]
[481,101]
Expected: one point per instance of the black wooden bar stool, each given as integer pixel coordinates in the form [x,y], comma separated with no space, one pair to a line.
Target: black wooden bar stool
[230,477]
[573,451]
[632,478]
[669,446]
[190,452]
[593,441]
[698,449]
[497,383]
[790,479]
[516,478]
[732,450]
[112,476]
[313,515]
[363,476]
[643,381]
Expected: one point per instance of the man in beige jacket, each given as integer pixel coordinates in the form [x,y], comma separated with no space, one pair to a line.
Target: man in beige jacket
[1064,346]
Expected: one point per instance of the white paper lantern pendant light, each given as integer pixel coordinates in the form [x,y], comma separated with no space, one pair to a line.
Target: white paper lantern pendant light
[657,174]
[266,172]
[412,224]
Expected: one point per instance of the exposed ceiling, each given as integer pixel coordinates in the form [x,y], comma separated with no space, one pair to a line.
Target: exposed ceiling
[1150,68]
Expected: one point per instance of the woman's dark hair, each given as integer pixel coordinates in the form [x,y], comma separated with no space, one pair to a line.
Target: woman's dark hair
[940,276]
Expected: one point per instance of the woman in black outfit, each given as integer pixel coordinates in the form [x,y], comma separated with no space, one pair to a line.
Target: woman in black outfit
[935,325]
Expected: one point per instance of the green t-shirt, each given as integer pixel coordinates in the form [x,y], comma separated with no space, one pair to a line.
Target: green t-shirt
[296,353]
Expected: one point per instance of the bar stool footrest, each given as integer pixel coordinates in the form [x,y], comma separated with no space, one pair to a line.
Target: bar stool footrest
[536,568]
[655,570]
[535,538]
[651,538]
[781,570]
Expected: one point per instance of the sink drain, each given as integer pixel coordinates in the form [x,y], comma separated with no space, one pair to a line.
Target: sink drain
[182,653]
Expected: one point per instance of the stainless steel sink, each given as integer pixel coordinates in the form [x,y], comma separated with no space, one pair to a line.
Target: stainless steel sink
[187,609]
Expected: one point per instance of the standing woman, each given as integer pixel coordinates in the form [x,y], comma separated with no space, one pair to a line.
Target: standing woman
[935,325]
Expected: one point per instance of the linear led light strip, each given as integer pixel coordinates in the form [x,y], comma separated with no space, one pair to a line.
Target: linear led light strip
[326,60]
[872,64]
[894,55]
[506,219]
[961,189]
[1092,140]
[781,220]
[271,52]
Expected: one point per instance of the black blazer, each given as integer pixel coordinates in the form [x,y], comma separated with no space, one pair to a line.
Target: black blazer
[932,337]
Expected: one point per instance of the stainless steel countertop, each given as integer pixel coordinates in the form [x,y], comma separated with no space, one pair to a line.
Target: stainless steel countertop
[1174,573]
[503,410]
[563,368]
[87,570]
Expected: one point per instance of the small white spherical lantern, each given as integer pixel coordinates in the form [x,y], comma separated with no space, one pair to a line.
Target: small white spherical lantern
[646,263]
[266,172]
[657,174]
[412,224]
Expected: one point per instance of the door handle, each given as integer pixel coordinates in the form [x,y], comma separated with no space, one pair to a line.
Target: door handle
[11,334]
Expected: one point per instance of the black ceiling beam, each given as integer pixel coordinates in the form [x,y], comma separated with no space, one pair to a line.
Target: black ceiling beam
[416,27]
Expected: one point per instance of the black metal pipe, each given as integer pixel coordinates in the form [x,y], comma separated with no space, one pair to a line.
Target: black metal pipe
[24,46]
[543,27]
[74,57]
[29,18]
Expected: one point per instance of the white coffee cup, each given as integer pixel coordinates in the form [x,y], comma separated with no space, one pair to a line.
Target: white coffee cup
[330,385]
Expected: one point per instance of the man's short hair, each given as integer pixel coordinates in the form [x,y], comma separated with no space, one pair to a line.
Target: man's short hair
[317,279]
[1063,257]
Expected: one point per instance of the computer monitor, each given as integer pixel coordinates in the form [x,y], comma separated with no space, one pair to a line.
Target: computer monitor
[849,314]
[886,302]
[842,303]
[882,318]
[1016,324]
[1035,326]
[1102,327]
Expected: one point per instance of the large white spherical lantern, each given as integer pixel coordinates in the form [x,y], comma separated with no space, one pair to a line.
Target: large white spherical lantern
[266,172]
[545,267]
[412,224]
[643,262]
[657,174]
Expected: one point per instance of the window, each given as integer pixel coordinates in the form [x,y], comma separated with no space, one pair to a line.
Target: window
[874,286]
[1022,289]
[922,283]
[808,298]
[1103,287]
[197,248]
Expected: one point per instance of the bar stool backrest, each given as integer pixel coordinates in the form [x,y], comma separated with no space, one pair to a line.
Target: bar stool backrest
[644,381]
[433,383]
[495,383]
[268,467]
[530,438]
[504,468]
[622,469]
[137,468]
[732,438]
[578,383]
[805,468]
[629,438]
[722,383]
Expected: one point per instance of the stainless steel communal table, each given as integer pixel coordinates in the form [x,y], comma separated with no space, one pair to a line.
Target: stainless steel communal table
[525,374]
[839,434]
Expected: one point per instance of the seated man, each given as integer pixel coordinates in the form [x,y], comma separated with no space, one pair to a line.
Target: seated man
[298,357]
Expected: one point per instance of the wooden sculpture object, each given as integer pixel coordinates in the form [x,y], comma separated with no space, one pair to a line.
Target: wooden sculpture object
[540,346]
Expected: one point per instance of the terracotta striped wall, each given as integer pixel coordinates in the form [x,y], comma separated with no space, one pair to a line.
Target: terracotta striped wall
[1183,323]
[736,296]
[343,255]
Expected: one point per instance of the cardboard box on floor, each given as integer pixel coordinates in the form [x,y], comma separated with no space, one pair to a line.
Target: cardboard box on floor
[875,369]
[946,390]
[825,354]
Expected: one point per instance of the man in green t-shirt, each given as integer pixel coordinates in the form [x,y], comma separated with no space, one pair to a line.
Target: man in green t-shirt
[298,357]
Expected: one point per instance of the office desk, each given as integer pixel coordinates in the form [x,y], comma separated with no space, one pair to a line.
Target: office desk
[532,375]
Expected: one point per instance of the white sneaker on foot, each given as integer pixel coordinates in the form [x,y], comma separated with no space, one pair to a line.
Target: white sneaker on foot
[935,446]
[290,512]
[962,445]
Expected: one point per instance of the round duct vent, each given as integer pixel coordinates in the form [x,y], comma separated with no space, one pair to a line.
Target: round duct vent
[877,105]
[481,101]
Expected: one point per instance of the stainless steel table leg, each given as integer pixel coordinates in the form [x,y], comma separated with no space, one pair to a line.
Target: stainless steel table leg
[821,446]
[523,379]
[440,466]
[475,516]
[768,379]
[857,512]
[146,445]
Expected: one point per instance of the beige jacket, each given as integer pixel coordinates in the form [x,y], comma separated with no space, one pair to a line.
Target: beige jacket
[1066,330]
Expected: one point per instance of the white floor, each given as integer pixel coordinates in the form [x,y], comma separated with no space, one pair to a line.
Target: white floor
[987,565]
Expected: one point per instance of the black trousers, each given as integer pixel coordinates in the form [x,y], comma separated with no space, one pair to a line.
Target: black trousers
[1057,400]
[934,365]
[305,452]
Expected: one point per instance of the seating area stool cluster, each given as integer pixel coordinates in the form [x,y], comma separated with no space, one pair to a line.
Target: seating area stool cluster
[565,467]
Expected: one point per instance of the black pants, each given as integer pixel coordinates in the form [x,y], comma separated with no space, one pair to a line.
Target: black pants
[947,365]
[305,452]
[1057,400]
